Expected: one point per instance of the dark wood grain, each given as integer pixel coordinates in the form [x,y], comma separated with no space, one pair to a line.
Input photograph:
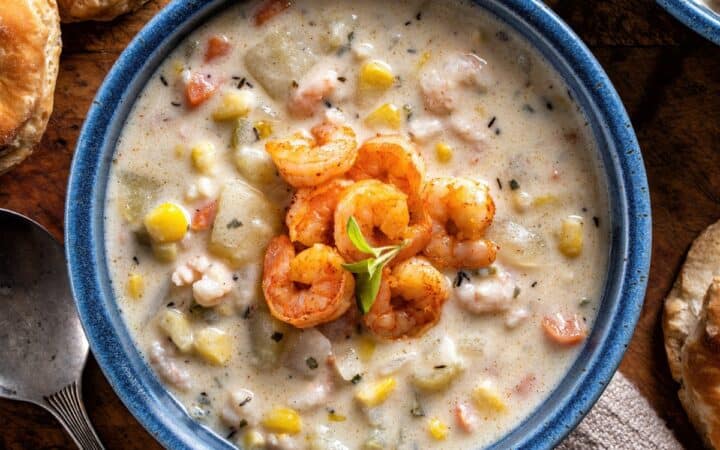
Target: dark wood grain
[668,78]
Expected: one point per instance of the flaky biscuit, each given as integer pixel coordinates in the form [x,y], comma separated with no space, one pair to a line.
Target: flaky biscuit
[691,327]
[29,56]
[80,10]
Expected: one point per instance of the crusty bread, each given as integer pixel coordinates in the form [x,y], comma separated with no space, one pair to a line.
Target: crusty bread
[80,10]
[29,58]
[691,325]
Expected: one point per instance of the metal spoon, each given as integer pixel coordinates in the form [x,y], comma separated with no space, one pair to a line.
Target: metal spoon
[42,345]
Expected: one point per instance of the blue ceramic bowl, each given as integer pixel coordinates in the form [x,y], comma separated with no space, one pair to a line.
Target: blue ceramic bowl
[629,257]
[699,18]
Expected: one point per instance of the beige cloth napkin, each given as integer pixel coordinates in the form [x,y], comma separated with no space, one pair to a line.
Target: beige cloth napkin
[622,419]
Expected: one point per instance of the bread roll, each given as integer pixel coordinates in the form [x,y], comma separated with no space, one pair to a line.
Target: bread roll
[80,10]
[691,326]
[29,57]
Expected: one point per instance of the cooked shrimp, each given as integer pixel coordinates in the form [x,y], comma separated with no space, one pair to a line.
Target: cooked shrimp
[380,209]
[306,289]
[490,294]
[310,160]
[461,210]
[306,99]
[311,213]
[395,160]
[410,300]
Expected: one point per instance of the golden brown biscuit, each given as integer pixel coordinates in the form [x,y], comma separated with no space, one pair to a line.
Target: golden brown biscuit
[79,10]
[691,325]
[29,56]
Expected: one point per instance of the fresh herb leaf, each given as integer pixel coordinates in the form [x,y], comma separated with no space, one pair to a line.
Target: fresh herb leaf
[358,240]
[368,272]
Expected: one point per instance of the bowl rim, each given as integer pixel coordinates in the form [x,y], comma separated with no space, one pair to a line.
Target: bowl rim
[147,399]
[697,17]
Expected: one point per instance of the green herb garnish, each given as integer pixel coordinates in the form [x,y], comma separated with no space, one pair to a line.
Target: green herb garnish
[368,272]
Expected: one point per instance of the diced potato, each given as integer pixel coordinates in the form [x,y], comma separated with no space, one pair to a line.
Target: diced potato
[385,116]
[283,420]
[204,157]
[437,429]
[570,241]
[165,252]
[235,104]
[519,246]
[242,134]
[268,337]
[264,129]
[438,367]
[282,57]
[255,165]
[176,326]
[376,75]
[214,345]
[135,195]
[443,152]
[253,440]
[244,224]
[168,222]
[487,398]
[135,285]
[375,393]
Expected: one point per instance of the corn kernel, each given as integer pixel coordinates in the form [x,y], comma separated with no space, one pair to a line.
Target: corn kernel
[376,75]
[179,151]
[571,236]
[135,285]
[176,326]
[424,58]
[387,115]
[264,129]
[437,429]
[366,348]
[373,394]
[253,440]
[204,157]
[547,199]
[283,420]
[487,398]
[178,66]
[234,105]
[214,345]
[443,152]
[168,222]
[335,417]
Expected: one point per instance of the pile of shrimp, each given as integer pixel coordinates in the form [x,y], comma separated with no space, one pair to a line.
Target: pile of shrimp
[381,183]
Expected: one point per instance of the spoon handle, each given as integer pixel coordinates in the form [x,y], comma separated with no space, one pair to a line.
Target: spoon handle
[67,406]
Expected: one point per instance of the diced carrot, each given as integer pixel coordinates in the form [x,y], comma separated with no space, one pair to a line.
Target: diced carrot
[564,331]
[204,217]
[466,417]
[217,46]
[198,89]
[270,9]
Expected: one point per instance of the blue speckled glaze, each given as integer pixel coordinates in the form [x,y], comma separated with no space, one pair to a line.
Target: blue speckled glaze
[699,18]
[629,258]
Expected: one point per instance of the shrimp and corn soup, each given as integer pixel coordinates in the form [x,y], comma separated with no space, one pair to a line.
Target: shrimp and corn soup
[362,225]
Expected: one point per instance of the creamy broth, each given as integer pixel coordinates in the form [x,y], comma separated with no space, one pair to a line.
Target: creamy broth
[513,125]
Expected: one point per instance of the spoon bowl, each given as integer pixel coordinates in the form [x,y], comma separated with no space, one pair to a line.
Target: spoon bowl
[42,344]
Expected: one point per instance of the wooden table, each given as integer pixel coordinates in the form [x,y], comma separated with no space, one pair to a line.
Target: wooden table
[667,76]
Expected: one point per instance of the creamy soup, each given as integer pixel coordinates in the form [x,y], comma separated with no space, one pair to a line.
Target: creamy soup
[450,143]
